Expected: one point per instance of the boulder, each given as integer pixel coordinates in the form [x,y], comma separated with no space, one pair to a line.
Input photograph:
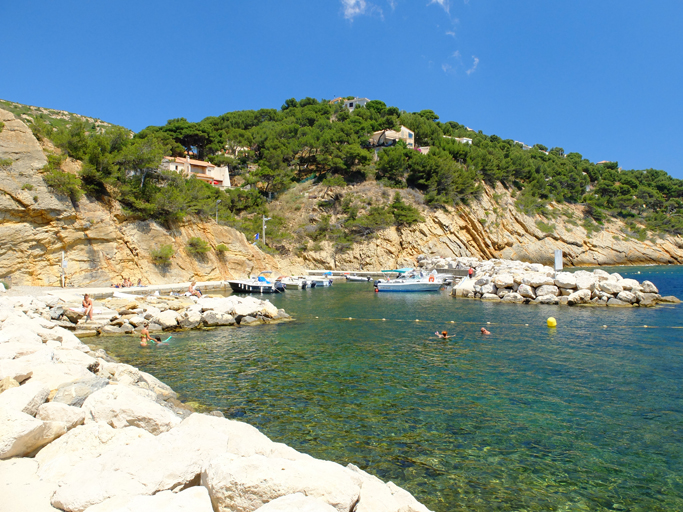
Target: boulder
[53,411]
[84,442]
[490,296]
[249,320]
[547,290]
[627,297]
[136,320]
[514,298]
[647,299]
[193,499]
[489,288]
[482,281]
[190,320]
[547,299]
[72,356]
[121,406]
[611,287]
[503,280]
[648,287]
[171,460]
[526,291]
[376,496]
[54,375]
[565,280]
[73,316]
[617,302]
[246,483]
[74,393]
[669,299]
[298,502]
[15,369]
[167,319]
[21,434]
[22,489]
[579,297]
[564,300]
[26,398]
[162,390]
[585,281]
[536,279]
[630,285]
[14,349]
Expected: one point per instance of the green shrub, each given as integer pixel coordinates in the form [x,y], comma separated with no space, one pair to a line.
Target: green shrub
[404,214]
[221,248]
[545,228]
[64,183]
[163,255]
[27,186]
[5,283]
[197,246]
[6,162]
[2,126]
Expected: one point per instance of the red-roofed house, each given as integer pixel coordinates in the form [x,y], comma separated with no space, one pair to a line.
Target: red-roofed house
[205,171]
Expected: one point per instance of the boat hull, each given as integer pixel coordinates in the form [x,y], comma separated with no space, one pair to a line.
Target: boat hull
[260,288]
[408,287]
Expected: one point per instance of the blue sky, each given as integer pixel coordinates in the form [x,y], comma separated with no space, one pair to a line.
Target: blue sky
[603,78]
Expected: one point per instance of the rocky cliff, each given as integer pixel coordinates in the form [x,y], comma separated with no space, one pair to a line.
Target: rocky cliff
[489,227]
[101,244]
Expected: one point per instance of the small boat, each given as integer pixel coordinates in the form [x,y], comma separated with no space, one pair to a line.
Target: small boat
[409,280]
[257,284]
[294,282]
[324,280]
[357,279]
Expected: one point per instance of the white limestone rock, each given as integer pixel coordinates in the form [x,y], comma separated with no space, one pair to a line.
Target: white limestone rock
[73,356]
[15,369]
[376,496]
[190,320]
[537,279]
[611,287]
[246,483]
[503,280]
[54,375]
[297,502]
[565,280]
[490,296]
[84,442]
[21,489]
[489,289]
[585,281]
[648,287]
[121,406]
[627,297]
[513,297]
[74,393]
[630,285]
[579,297]
[27,398]
[547,299]
[526,291]
[14,349]
[547,290]
[167,319]
[54,411]
[21,434]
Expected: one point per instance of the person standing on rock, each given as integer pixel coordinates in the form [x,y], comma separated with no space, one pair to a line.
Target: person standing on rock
[470,272]
[87,307]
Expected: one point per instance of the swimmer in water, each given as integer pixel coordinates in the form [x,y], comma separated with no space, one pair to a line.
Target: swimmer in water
[443,335]
[144,336]
[484,331]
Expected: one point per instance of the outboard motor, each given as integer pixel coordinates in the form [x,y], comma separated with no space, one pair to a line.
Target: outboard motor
[280,287]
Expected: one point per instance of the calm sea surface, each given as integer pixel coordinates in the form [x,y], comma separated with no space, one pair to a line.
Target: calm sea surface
[581,417]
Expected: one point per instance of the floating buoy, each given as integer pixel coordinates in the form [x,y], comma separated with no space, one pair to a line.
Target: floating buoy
[604,327]
[350,318]
[488,323]
[645,326]
[552,322]
[416,320]
[526,325]
[384,319]
[452,321]
[316,317]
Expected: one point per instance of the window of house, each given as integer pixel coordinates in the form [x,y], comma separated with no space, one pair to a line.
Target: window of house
[410,135]
[350,105]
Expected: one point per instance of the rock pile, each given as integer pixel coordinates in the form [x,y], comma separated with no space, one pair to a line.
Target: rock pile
[520,282]
[125,316]
[83,433]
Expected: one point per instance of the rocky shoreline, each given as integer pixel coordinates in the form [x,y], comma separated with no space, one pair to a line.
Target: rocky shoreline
[533,283]
[81,432]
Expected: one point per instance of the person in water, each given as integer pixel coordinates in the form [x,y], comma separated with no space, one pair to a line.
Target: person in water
[443,335]
[144,336]
[484,331]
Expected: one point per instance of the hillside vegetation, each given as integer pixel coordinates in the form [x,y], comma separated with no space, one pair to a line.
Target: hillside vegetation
[268,150]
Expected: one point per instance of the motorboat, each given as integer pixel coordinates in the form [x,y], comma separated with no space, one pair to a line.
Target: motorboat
[357,279]
[258,284]
[409,280]
[324,280]
[294,282]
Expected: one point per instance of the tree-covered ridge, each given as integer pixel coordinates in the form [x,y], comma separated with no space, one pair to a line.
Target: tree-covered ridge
[271,149]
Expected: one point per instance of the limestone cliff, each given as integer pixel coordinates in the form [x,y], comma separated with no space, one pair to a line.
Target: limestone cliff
[489,227]
[100,243]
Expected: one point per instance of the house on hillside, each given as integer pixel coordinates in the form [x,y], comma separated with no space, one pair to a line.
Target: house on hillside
[338,99]
[461,140]
[390,137]
[355,102]
[205,171]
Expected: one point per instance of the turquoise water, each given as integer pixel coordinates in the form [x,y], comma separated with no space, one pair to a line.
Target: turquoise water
[529,418]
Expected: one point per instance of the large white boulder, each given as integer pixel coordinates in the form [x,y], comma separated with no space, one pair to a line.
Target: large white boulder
[489,289]
[84,442]
[627,297]
[168,461]
[53,375]
[54,411]
[585,280]
[611,287]
[167,319]
[192,499]
[121,406]
[630,285]
[376,496]
[21,434]
[246,483]
[579,297]
[565,280]
[490,296]
[547,299]
[16,369]
[526,291]
[73,356]
[74,393]
[503,280]
[297,502]
[14,349]
[547,290]
[536,279]
[648,287]
[513,297]
[26,398]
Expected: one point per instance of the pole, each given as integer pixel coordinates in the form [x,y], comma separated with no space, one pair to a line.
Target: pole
[217,202]
[264,231]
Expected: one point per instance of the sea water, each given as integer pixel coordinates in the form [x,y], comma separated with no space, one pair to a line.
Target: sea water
[585,416]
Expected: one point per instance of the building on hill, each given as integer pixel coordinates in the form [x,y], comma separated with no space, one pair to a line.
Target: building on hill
[205,171]
[338,99]
[355,102]
[461,140]
[391,137]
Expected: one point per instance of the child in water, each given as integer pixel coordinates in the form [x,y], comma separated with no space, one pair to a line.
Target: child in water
[443,335]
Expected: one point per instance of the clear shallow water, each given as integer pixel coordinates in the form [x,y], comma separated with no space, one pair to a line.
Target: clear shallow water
[530,418]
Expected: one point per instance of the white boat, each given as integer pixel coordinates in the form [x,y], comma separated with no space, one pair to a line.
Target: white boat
[319,281]
[357,279]
[409,280]
[257,284]
[294,282]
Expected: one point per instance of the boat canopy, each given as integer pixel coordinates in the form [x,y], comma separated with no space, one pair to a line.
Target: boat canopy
[399,270]
[262,279]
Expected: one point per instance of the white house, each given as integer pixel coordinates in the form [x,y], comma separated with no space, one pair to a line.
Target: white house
[389,137]
[355,102]
[205,171]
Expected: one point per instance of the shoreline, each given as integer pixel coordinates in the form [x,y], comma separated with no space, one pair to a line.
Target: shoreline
[88,434]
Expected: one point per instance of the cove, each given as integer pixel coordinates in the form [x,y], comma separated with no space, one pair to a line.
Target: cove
[579,417]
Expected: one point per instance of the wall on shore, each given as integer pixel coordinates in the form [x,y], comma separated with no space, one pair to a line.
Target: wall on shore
[101,245]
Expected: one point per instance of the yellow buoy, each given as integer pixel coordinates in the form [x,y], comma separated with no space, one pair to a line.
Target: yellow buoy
[384,319]
[552,322]
[452,321]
